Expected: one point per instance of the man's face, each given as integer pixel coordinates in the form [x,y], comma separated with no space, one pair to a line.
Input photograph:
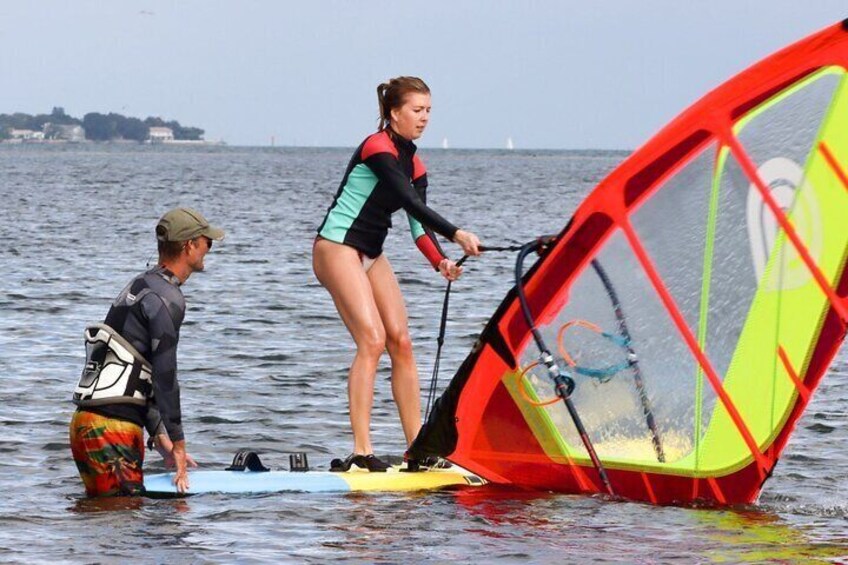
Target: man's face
[196,250]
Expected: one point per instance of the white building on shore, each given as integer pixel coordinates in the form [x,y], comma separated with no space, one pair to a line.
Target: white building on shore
[26,135]
[160,135]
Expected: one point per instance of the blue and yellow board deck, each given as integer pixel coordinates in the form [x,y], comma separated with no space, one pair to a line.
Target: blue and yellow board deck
[244,482]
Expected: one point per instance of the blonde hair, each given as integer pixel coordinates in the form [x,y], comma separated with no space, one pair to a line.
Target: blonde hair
[392,94]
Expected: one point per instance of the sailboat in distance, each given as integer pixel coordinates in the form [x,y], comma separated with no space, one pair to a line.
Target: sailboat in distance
[444,143]
[509,145]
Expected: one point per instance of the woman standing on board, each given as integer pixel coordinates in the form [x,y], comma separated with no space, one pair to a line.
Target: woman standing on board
[384,175]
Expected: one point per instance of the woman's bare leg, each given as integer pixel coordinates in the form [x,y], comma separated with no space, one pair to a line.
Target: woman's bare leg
[339,269]
[405,387]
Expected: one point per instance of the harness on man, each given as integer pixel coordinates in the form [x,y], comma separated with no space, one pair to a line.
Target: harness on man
[114,373]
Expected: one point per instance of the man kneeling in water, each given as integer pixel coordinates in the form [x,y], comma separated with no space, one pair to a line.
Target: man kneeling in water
[130,374]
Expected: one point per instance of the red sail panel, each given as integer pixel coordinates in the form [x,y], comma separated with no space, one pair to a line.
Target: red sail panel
[721,243]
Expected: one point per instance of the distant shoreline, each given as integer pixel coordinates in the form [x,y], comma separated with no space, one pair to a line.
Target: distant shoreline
[59,127]
[198,142]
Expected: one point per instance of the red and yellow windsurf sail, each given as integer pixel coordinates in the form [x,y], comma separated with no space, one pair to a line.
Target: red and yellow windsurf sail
[696,297]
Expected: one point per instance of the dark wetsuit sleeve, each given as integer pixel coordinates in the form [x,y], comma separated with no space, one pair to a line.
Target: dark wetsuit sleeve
[164,334]
[388,170]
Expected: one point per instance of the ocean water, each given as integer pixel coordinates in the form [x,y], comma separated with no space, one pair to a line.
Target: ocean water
[263,361]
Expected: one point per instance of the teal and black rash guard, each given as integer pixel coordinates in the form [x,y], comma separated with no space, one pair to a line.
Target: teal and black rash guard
[384,175]
[148,313]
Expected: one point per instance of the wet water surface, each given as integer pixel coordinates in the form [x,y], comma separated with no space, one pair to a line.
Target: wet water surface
[263,361]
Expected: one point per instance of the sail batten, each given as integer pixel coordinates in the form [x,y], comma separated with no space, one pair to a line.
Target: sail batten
[834,164]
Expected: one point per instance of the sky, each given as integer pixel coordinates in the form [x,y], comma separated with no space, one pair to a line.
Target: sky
[593,74]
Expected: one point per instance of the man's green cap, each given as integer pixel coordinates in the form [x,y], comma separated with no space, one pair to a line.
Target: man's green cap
[183,224]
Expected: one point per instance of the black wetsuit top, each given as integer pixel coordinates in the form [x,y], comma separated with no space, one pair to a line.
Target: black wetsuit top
[148,313]
[383,176]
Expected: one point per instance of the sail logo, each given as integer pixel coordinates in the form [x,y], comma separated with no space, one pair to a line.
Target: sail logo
[793,193]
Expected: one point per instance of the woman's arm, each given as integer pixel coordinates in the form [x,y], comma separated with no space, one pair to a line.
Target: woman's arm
[388,170]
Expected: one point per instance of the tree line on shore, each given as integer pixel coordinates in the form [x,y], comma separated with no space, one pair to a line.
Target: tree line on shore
[97,126]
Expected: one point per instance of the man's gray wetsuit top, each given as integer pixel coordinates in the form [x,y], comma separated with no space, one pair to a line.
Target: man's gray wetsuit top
[148,313]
